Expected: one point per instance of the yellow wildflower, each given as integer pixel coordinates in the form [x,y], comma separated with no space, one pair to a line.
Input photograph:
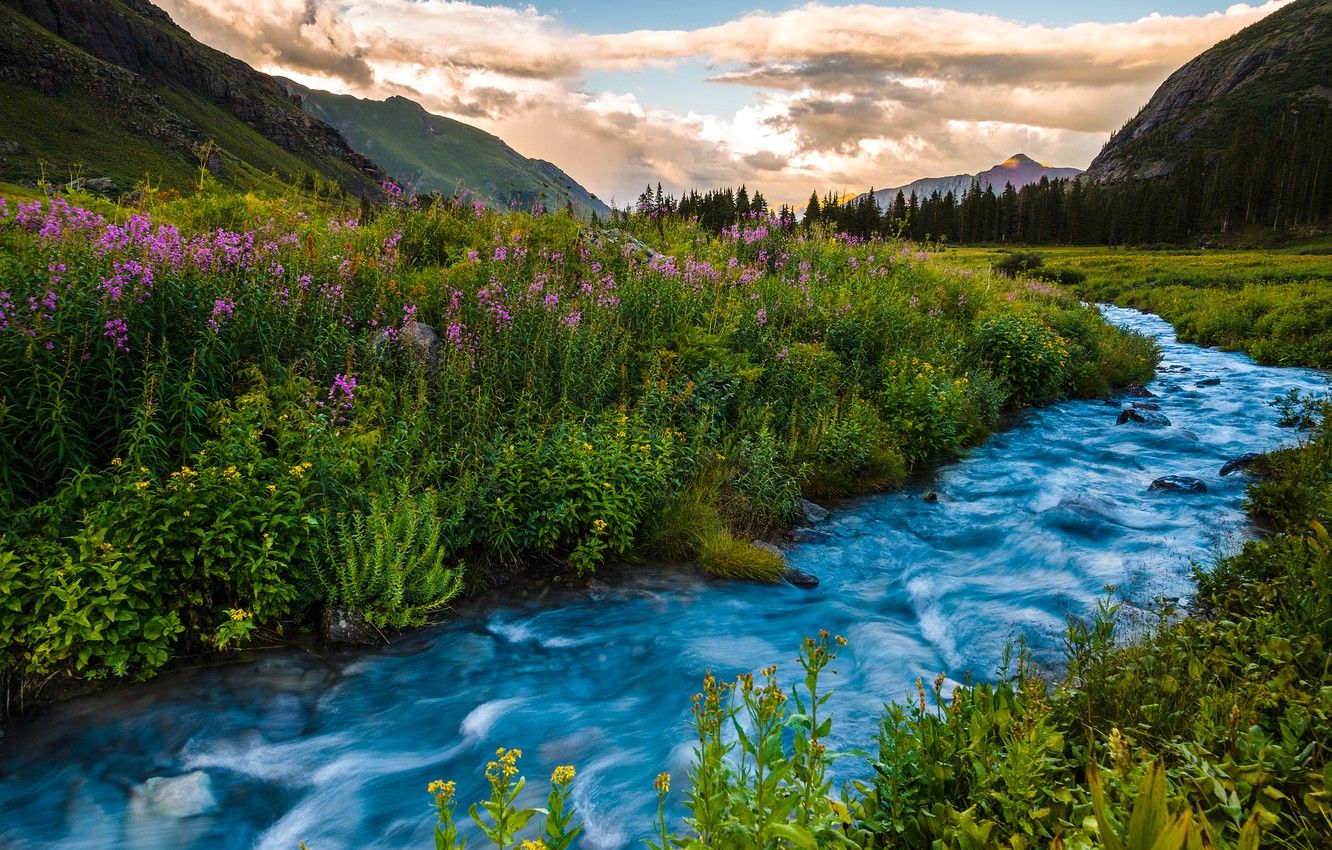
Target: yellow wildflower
[230,473]
[663,783]
[141,485]
[115,461]
[238,614]
[442,791]
[184,513]
[599,525]
[532,845]
[563,775]
[587,447]
[272,488]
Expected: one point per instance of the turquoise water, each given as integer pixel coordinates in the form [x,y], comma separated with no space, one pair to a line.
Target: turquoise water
[336,749]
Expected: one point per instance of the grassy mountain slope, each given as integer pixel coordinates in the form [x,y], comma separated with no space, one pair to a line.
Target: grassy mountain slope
[1272,77]
[113,88]
[439,154]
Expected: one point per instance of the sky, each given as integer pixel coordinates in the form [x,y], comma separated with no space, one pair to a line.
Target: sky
[786,97]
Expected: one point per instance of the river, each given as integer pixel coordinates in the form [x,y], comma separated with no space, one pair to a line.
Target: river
[337,748]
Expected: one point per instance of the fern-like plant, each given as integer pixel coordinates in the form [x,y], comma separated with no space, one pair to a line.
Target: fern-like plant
[389,562]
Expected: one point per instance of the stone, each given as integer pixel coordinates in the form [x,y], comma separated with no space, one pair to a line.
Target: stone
[1178,484]
[1137,391]
[184,796]
[930,497]
[419,338]
[1143,417]
[769,547]
[341,627]
[1209,382]
[800,579]
[1244,461]
[813,514]
[1144,405]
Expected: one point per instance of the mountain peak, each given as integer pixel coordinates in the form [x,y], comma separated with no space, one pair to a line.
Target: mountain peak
[1018,160]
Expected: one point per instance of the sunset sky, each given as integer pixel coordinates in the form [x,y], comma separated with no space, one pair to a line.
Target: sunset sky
[787,97]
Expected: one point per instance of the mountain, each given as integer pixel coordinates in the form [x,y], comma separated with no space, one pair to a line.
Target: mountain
[439,154]
[1019,170]
[1261,95]
[114,88]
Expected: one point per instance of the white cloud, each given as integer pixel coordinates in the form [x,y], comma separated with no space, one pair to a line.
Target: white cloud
[844,96]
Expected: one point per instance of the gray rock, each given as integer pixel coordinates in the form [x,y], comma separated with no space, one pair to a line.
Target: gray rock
[103,186]
[1144,417]
[1209,382]
[769,547]
[800,578]
[813,514]
[416,337]
[930,497]
[1144,405]
[341,627]
[1178,484]
[1244,461]
[176,796]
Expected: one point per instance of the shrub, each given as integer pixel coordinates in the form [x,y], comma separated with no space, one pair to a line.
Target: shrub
[1019,262]
[1025,354]
[390,563]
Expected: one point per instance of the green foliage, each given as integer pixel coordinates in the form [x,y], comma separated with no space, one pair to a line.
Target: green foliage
[1026,354]
[389,563]
[727,557]
[1019,262]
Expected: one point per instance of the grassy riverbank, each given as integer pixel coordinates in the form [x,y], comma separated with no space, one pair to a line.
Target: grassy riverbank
[221,415]
[1274,305]
[1211,732]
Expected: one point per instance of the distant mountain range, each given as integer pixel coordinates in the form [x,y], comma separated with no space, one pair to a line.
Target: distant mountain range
[438,154]
[1019,170]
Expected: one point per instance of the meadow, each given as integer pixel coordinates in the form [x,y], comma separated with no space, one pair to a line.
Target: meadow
[1273,304]
[222,416]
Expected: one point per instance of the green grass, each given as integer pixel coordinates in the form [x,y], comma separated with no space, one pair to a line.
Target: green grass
[1275,305]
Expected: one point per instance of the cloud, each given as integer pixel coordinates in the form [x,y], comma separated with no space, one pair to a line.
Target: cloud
[842,96]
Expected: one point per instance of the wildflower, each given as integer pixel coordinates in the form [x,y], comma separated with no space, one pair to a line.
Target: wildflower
[141,485]
[442,791]
[563,774]
[230,473]
[184,513]
[115,461]
[272,488]
[238,614]
[662,783]
[532,845]
[599,525]
[761,317]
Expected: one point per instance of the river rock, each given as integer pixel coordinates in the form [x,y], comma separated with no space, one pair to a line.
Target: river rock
[930,497]
[1144,405]
[1244,461]
[1137,391]
[1209,382]
[1144,417]
[800,578]
[176,796]
[769,547]
[1178,484]
[342,627]
[813,514]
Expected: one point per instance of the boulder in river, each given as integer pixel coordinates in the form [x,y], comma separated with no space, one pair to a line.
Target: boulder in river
[1137,391]
[800,578]
[1178,484]
[1244,461]
[1209,382]
[176,796]
[1144,405]
[343,627]
[930,497]
[811,513]
[1143,417]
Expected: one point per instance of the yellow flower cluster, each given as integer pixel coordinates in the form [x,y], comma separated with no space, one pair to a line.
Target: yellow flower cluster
[598,525]
[230,473]
[505,767]
[562,775]
[663,783]
[299,469]
[140,485]
[238,614]
[442,791]
[532,845]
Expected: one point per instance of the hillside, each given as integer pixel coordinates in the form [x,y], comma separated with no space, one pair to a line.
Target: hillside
[113,88]
[439,154]
[1258,101]
[1019,170]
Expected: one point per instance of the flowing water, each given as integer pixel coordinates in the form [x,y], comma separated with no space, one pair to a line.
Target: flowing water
[337,749]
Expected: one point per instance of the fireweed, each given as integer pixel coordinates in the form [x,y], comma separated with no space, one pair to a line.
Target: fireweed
[551,386]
